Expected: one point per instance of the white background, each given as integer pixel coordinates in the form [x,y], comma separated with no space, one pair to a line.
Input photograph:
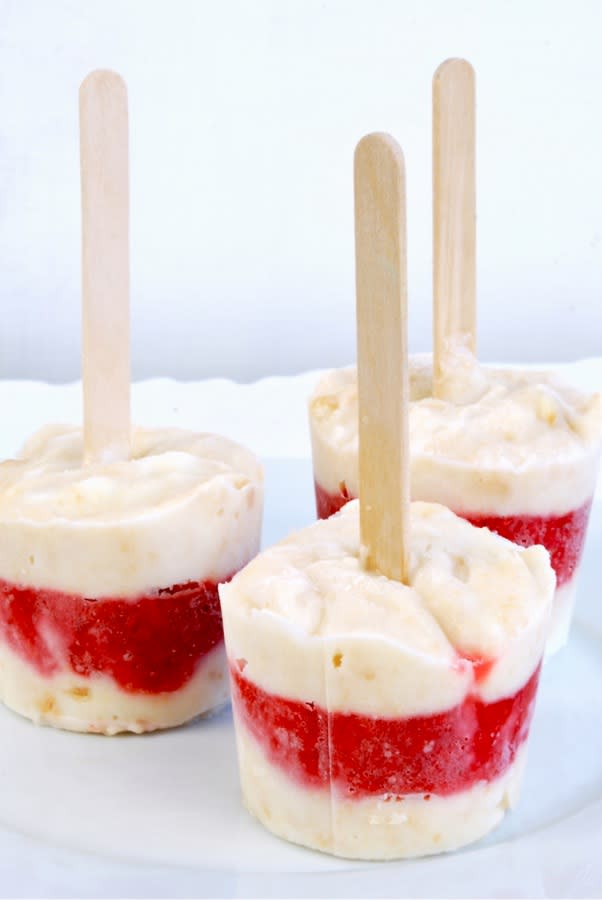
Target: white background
[243,117]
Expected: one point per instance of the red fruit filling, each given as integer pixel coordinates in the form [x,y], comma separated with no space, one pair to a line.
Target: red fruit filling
[328,504]
[147,644]
[365,755]
[562,536]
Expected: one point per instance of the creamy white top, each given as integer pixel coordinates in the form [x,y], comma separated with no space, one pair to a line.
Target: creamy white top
[184,507]
[308,600]
[500,440]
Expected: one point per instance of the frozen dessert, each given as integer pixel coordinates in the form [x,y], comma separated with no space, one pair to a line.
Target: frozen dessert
[109,611]
[380,720]
[517,451]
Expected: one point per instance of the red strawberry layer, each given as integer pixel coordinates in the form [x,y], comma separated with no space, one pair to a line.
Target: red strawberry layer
[147,644]
[328,504]
[562,536]
[364,755]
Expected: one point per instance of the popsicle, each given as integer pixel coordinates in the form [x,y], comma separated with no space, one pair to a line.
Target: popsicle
[113,538]
[515,450]
[384,662]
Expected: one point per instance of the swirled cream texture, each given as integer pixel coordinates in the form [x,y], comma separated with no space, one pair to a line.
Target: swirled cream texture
[500,440]
[184,507]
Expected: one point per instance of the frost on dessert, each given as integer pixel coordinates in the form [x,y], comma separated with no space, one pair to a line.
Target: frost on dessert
[517,451]
[109,611]
[376,719]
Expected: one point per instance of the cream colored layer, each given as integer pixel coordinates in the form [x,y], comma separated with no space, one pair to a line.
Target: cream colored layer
[562,614]
[504,442]
[307,622]
[98,705]
[185,507]
[373,827]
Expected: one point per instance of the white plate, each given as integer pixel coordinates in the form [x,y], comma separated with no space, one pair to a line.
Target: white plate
[159,815]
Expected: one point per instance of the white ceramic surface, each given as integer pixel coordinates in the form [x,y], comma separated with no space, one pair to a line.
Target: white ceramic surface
[159,815]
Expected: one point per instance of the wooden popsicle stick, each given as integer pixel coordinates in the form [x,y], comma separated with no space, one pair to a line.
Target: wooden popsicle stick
[381,291]
[103,113]
[454,211]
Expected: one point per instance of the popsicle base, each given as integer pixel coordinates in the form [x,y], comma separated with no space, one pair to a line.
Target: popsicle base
[97,705]
[372,828]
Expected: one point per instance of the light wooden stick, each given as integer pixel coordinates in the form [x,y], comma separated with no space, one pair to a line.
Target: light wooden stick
[105,266]
[381,288]
[454,211]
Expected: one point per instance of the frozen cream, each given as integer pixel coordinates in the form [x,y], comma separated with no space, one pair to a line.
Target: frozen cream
[376,719]
[517,451]
[109,612]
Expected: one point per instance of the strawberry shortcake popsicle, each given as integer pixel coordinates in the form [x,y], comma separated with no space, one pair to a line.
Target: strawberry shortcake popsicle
[109,610]
[517,451]
[376,719]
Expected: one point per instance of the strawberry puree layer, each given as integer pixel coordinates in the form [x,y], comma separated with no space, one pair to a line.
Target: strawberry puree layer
[328,504]
[149,644]
[361,755]
[562,536]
